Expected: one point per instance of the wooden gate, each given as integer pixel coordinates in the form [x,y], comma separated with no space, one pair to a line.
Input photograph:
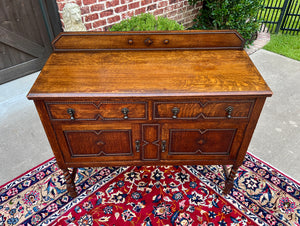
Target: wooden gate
[24,41]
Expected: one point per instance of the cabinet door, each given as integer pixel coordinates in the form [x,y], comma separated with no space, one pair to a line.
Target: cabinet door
[97,142]
[203,141]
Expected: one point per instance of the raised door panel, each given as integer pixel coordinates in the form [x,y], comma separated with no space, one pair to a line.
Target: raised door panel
[203,141]
[151,142]
[98,142]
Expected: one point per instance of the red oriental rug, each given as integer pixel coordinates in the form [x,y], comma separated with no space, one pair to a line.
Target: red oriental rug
[170,195]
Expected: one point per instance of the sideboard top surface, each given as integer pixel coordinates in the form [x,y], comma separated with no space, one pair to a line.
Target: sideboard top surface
[140,72]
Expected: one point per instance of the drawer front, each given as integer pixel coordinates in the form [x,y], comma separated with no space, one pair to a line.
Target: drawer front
[92,143]
[191,141]
[97,111]
[205,110]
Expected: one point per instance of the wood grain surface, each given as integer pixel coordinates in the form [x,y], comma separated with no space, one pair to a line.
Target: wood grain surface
[149,73]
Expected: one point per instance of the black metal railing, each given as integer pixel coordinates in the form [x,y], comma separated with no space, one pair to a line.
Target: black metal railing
[281,15]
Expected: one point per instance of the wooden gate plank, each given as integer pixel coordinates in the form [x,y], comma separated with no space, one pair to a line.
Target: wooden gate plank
[13,72]
[20,43]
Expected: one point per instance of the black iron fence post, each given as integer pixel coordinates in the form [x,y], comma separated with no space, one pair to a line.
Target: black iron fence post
[281,16]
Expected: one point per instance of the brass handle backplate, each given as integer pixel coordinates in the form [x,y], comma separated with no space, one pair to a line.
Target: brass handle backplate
[125,112]
[137,145]
[163,145]
[175,112]
[71,112]
[229,110]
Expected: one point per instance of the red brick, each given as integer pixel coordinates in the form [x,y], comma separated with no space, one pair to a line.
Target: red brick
[176,6]
[158,12]
[146,2]
[162,4]
[88,26]
[199,4]
[112,3]
[113,19]
[97,7]
[88,2]
[190,7]
[91,17]
[106,13]
[134,5]
[172,13]
[172,1]
[85,10]
[195,11]
[151,7]
[139,11]
[121,9]
[169,8]
[78,2]
[99,23]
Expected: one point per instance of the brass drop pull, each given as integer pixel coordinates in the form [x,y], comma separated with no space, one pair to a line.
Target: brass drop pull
[175,112]
[229,110]
[163,145]
[71,112]
[125,112]
[148,41]
[137,145]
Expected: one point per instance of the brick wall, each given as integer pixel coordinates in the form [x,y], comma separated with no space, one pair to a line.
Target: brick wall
[99,15]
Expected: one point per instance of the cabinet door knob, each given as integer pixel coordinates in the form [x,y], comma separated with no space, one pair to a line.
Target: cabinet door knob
[130,41]
[201,141]
[163,145]
[137,145]
[229,110]
[175,112]
[71,112]
[125,112]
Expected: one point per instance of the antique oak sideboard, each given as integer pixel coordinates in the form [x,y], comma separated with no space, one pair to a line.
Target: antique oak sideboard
[149,98]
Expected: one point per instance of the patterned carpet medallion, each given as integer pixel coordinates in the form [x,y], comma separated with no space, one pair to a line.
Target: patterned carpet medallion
[181,195]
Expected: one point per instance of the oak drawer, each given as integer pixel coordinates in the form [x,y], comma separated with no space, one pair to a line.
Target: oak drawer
[203,110]
[97,111]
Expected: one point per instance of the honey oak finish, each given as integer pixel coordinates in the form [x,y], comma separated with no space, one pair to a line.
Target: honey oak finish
[149,98]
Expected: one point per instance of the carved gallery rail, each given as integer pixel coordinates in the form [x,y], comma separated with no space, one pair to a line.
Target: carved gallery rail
[149,98]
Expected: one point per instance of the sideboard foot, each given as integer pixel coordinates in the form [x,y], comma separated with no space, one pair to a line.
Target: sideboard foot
[229,178]
[70,181]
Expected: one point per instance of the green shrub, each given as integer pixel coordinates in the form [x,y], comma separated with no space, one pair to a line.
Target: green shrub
[229,14]
[146,22]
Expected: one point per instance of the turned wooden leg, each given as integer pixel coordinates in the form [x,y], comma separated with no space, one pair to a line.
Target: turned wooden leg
[70,181]
[229,178]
